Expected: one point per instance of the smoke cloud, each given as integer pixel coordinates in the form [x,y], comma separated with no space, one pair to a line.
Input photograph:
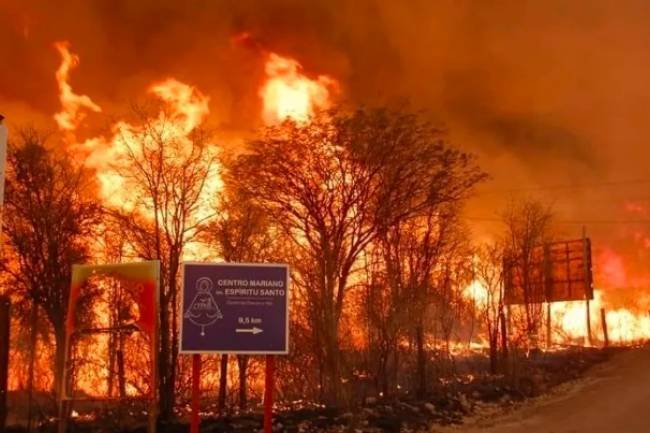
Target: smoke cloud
[549,93]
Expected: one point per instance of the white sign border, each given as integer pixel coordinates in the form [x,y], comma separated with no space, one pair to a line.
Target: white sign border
[235,352]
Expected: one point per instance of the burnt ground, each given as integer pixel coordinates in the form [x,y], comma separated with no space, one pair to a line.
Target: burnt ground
[454,399]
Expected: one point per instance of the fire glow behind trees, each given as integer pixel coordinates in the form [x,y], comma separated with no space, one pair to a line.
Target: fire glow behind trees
[366,204]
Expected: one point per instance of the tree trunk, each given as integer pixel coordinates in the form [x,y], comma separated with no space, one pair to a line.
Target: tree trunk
[59,356]
[242,363]
[121,380]
[504,334]
[165,388]
[395,369]
[32,355]
[332,367]
[421,389]
[383,372]
[503,321]
[494,352]
[112,354]
[223,384]
[174,338]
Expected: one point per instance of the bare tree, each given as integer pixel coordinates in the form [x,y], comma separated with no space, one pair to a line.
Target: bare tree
[386,318]
[448,304]
[334,184]
[240,233]
[488,271]
[527,227]
[166,171]
[50,214]
[413,252]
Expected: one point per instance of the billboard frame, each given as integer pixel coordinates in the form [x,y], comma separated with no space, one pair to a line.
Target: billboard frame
[545,269]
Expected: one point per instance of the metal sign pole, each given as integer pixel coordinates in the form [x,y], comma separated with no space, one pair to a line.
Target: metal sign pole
[196,393]
[269,384]
[235,308]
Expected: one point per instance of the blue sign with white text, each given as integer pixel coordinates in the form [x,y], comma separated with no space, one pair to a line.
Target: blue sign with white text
[235,308]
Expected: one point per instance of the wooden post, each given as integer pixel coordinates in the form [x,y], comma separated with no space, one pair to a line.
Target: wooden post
[269,384]
[585,256]
[603,321]
[548,293]
[549,340]
[589,338]
[196,393]
[5,321]
[504,335]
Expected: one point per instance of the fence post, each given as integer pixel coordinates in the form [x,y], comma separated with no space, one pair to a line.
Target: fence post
[587,271]
[549,326]
[603,320]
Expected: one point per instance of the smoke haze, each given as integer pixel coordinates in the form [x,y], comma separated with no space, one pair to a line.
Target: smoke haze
[552,96]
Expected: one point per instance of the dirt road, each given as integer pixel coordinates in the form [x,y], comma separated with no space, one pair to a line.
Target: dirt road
[613,397]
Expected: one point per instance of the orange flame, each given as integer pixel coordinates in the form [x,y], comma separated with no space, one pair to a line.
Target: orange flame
[72,104]
[183,109]
[625,325]
[190,107]
[289,94]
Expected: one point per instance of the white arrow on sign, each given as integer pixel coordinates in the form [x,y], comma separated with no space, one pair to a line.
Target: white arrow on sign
[254,330]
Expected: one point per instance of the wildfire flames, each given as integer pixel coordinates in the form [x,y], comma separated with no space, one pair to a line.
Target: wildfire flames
[184,109]
[72,104]
[569,319]
[286,94]
[623,325]
[289,94]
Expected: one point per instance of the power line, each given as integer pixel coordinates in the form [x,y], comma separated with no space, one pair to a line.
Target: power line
[575,222]
[572,186]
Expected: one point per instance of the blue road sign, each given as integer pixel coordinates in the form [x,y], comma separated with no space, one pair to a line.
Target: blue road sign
[235,308]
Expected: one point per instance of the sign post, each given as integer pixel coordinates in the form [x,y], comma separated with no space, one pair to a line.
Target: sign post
[269,385]
[196,382]
[235,308]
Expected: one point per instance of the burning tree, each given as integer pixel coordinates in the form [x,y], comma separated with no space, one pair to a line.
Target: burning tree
[241,232]
[528,225]
[49,216]
[488,293]
[334,185]
[414,254]
[166,164]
